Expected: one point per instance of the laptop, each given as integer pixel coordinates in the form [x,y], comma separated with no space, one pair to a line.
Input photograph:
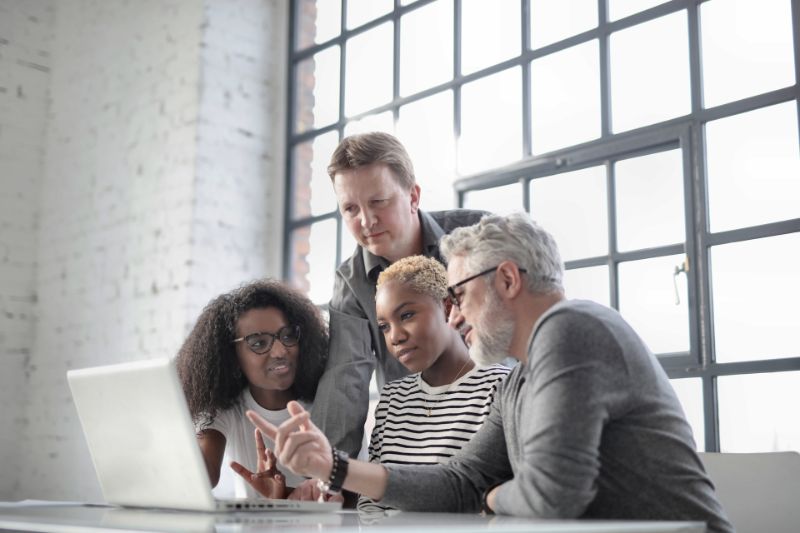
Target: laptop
[143,443]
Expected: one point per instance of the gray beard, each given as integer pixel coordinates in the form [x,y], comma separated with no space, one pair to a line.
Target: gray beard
[493,331]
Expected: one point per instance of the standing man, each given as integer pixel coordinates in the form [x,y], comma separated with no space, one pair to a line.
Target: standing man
[378,199]
[586,426]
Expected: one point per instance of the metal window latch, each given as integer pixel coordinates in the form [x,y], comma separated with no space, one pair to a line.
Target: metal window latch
[682,268]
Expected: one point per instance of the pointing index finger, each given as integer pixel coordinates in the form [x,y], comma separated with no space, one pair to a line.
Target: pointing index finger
[266,428]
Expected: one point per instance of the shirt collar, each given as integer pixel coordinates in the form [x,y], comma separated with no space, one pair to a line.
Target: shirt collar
[431,233]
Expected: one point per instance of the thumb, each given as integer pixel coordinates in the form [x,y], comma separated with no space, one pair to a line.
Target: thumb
[295,408]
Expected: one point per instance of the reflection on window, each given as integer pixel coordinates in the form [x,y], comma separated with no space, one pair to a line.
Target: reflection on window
[588,284]
[565,98]
[318,90]
[362,11]
[650,72]
[498,200]
[690,394]
[425,128]
[313,193]
[747,48]
[758,412]
[368,77]
[554,21]
[313,260]
[491,122]
[618,9]
[755,288]
[572,206]
[649,201]
[753,167]
[490,33]
[426,47]
[647,301]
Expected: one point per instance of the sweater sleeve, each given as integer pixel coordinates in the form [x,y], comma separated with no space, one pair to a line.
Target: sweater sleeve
[561,420]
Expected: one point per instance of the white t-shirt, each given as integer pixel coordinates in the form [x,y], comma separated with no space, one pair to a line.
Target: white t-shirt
[240,445]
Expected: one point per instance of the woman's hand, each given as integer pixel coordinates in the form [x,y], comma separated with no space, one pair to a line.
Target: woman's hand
[267,480]
[299,445]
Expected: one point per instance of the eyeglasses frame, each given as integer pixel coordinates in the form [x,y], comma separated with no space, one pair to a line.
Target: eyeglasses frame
[451,290]
[274,336]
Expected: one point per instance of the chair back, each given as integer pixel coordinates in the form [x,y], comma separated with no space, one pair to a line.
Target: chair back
[759,491]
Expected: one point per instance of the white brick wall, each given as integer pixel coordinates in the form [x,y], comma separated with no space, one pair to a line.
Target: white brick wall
[25,40]
[153,197]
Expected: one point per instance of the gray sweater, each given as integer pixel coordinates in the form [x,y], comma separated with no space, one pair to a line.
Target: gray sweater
[590,427]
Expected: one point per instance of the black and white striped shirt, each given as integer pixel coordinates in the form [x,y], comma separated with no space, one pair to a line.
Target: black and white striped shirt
[419,424]
[416,423]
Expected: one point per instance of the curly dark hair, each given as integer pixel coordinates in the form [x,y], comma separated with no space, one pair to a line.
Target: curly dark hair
[207,364]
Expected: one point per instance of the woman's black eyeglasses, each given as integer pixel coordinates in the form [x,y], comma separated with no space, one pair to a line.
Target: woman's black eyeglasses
[261,342]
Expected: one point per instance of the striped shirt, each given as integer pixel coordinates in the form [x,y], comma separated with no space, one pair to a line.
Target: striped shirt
[416,423]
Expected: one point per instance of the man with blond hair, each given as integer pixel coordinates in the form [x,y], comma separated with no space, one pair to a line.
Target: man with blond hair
[378,198]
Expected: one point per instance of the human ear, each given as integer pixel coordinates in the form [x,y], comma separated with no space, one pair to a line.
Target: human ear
[508,280]
[415,194]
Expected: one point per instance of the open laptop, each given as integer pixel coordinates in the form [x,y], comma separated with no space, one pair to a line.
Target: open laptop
[143,444]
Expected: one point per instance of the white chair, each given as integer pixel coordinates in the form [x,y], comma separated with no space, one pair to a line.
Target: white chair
[759,491]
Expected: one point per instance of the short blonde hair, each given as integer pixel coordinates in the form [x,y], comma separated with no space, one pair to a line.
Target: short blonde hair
[422,274]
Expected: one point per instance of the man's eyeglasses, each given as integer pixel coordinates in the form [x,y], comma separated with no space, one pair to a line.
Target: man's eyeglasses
[456,298]
[261,342]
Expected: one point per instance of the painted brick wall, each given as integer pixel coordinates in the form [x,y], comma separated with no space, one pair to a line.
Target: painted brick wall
[156,194]
[25,40]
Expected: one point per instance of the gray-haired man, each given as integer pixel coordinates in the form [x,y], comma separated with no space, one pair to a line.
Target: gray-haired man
[586,426]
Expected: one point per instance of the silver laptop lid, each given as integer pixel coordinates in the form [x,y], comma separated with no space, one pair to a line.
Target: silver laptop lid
[140,435]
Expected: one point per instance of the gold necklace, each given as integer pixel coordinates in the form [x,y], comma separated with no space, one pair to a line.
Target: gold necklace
[429,408]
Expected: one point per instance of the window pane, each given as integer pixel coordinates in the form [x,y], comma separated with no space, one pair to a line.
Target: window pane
[498,200]
[747,48]
[317,87]
[313,192]
[758,412]
[690,394]
[425,128]
[588,284]
[380,122]
[618,9]
[565,98]
[349,243]
[572,206]
[554,21]
[650,72]
[426,47]
[491,33]
[491,122]
[755,288]
[362,11]
[313,260]
[753,168]
[647,301]
[649,198]
[319,21]
[368,71]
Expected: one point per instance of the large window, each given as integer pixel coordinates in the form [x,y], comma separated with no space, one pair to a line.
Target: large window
[658,141]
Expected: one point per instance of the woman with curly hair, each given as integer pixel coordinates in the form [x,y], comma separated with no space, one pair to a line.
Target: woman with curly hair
[254,348]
